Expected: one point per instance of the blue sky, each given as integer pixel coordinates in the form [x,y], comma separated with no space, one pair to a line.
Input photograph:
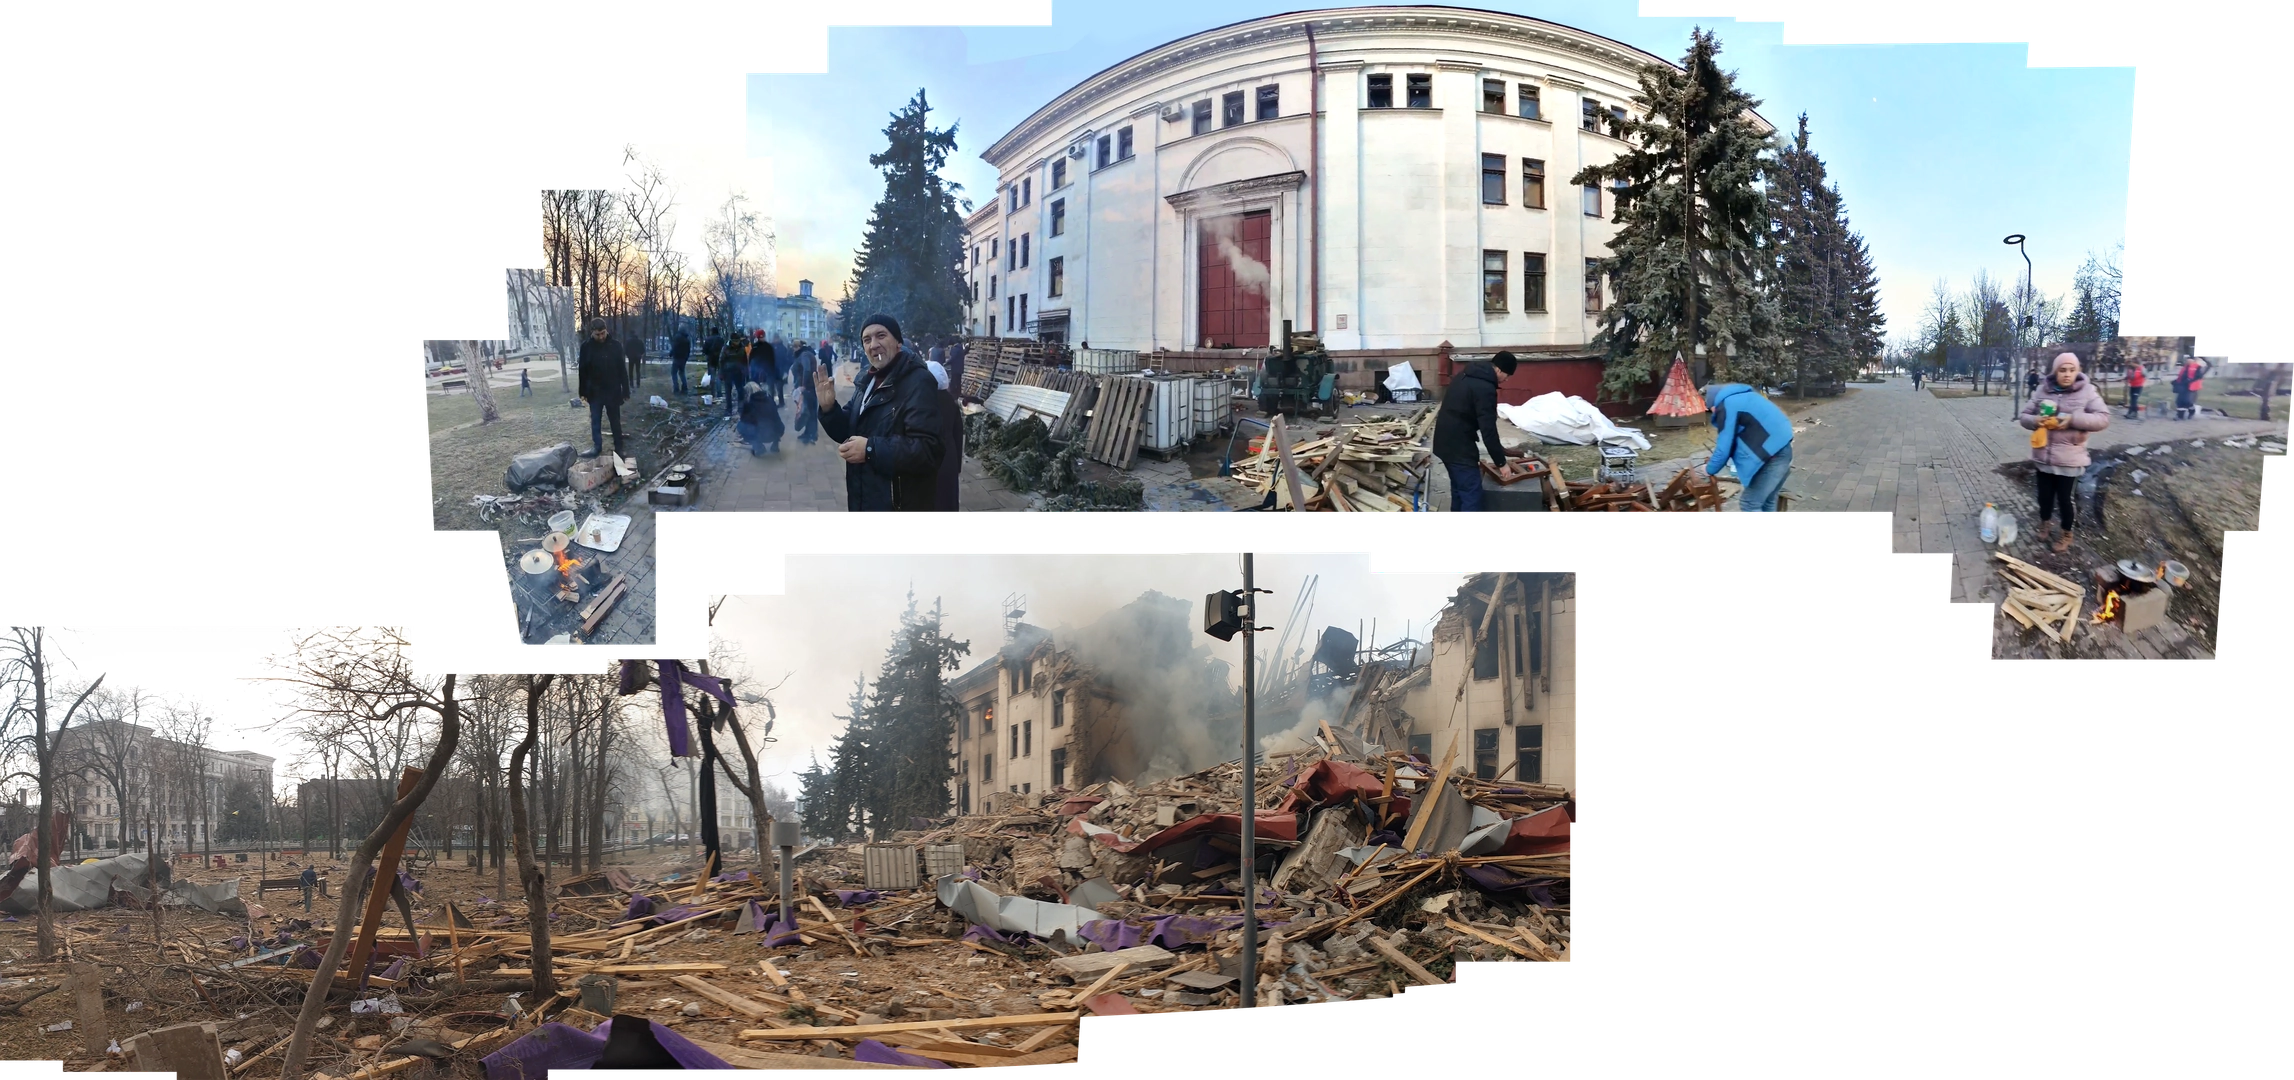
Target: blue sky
[1940,150]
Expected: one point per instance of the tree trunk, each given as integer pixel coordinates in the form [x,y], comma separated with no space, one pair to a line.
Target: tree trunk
[597,794]
[347,911]
[530,874]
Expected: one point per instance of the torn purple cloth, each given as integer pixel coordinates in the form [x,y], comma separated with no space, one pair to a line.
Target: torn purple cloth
[678,913]
[306,957]
[639,905]
[1498,879]
[764,920]
[562,1046]
[980,932]
[877,1053]
[1170,931]
[737,875]
[850,897]
[673,680]
[395,970]
[1113,935]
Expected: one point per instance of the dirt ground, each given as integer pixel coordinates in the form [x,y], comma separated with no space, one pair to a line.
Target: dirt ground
[468,459]
[2186,497]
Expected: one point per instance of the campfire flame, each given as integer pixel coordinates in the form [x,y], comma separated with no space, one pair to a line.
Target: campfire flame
[2110,608]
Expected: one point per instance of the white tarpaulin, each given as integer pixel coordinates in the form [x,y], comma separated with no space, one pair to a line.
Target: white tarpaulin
[1402,377]
[87,886]
[1560,418]
[1012,914]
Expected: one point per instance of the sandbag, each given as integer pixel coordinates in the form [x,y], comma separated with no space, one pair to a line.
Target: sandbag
[1562,418]
[541,468]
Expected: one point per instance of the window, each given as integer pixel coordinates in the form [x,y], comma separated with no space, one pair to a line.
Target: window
[1270,101]
[1617,194]
[1421,91]
[1520,644]
[1027,738]
[1026,788]
[1592,198]
[1532,281]
[1012,257]
[995,248]
[1381,92]
[1059,767]
[1202,117]
[991,326]
[1058,288]
[1592,286]
[1526,101]
[1123,143]
[1485,657]
[1104,155]
[1493,95]
[1058,173]
[1010,305]
[1015,740]
[1533,183]
[975,254]
[1012,204]
[1027,191]
[1022,323]
[991,286]
[1024,237]
[1529,753]
[1059,217]
[1231,108]
[1058,707]
[1493,178]
[1536,642]
[1493,282]
[1592,118]
[1617,121]
[1422,747]
[1485,753]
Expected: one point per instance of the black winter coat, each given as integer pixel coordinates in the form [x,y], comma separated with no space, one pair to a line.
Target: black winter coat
[898,411]
[1469,408]
[604,371]
[680,347]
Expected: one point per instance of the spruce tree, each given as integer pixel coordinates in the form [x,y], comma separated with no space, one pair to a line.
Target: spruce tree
[1691,261]
[891,763]
[910,260]
[1827,293]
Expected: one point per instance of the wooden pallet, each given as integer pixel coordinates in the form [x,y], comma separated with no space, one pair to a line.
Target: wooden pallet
[1117,420]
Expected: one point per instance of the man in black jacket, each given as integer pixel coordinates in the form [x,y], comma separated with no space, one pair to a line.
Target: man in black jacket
[680,350]
[1469,409]
[889,434]
[604,384]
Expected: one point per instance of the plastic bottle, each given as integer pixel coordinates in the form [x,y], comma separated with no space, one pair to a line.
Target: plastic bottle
[1987,526]
[2006,529]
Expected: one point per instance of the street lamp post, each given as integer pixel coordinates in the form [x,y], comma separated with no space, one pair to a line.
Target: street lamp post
[2017,240]
[1226,614]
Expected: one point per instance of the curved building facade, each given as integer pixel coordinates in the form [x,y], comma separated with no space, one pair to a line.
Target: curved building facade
[1394,178]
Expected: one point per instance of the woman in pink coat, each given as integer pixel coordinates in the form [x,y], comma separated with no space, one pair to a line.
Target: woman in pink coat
[2060,415]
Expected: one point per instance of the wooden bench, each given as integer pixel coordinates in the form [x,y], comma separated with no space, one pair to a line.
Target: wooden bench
[291,884]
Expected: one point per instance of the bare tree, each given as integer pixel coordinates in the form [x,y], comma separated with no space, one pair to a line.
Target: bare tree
[31,728]
[111,749]
[740,252]
[530,874]
[185,728]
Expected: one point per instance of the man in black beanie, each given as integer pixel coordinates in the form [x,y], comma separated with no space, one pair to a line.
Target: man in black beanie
[604,384]
[889,433]
[1469,408]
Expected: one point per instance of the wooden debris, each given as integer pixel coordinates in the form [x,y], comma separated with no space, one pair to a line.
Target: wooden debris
[1402,961]
[2039,599]
[1370,467]
[865,1031]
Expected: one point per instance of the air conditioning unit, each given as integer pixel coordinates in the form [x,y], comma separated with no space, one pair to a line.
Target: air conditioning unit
[1174,113]
[1076,151]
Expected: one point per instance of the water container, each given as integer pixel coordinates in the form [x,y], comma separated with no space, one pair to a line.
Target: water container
[1987,526]
[2006,529]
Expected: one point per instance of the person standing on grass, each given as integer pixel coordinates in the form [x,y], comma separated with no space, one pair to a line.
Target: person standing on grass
[637,361]
[2060,416]
[2187,380]
[732,361]
[310,881]
[525,383]
[1751,434]
[889,433]
[604,384]
[680,350]
[1469,409]
[2136,378]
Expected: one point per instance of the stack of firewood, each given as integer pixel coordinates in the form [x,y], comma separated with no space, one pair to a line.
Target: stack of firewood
[1370,467]
[2040,600]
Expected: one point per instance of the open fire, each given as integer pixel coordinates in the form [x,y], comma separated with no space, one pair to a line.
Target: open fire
[2110,608]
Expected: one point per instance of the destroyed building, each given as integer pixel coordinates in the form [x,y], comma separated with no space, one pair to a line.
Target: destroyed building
[1135,694]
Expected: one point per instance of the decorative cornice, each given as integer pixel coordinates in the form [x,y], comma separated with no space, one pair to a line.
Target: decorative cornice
[1460,65]
[1446,24]
[1329,66]
[1234,191]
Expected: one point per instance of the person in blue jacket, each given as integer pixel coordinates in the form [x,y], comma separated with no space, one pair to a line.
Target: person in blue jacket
[1751,433]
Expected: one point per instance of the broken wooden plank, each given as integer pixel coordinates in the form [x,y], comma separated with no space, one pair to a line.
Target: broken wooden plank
[1086,965]
[1402,961]
[863,1031]
[737,1003]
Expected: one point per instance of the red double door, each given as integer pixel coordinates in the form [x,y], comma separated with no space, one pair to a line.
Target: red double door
[1231,278]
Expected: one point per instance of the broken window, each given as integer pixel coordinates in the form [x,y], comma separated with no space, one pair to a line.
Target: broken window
[1270,102]
[1059,767]
[1493,282]
[1123,143]
[1421,91]
[1593,286]
[1105,155]
[1381,92]
[1421,747]
[1027,738]
[988,768]
[1520,642]
[1529,753]
[1015,740]
[1485,753]
[1591,121]
[1485,658]
[1536,642]
[1202,117]
[1231,108]
[1058,707]
[1059,217]
[1026,788]
[1617,121]
[1493,95]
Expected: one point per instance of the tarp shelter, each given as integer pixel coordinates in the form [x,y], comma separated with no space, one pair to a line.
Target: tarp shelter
[88,886]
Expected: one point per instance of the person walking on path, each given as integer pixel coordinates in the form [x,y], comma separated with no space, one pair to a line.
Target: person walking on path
[525,383]
[889,433]
[1753,435]
[2186,384]
[680,350]
[2060,416]
[1915,377]
[2136,378]
[732,370]
[1469,410]
[2031,381]
[310,881]
[604,384]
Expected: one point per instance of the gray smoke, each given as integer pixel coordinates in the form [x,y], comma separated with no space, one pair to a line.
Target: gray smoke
[1182,712]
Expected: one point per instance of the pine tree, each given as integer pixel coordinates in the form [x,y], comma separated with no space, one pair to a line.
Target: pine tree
[1691,262]
[909,264]
[891,763]
[1827,294]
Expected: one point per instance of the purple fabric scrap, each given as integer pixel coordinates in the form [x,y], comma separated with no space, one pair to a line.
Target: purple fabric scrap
[1112,935]
[306,957]
[1498,879]
[639,905]
[852,897]
[981,932]
[737,875]
[395,970]
[678,913]
[562,1046]
[877,1053]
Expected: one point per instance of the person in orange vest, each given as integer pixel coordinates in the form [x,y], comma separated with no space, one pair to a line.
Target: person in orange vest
[2187,379]
[2136,378]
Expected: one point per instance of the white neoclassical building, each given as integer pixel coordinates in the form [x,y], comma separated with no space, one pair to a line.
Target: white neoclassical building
[1392,177]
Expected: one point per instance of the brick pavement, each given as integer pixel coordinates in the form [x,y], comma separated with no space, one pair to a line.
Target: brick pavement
[811,478]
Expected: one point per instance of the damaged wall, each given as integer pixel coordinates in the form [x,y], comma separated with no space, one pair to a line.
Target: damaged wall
[1524,705]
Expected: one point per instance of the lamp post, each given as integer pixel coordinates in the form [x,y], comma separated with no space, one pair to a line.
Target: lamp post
[1226,614]
[2017,240]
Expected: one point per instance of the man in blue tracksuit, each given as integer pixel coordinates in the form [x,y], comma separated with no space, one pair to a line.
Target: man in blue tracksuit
[1751,433]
